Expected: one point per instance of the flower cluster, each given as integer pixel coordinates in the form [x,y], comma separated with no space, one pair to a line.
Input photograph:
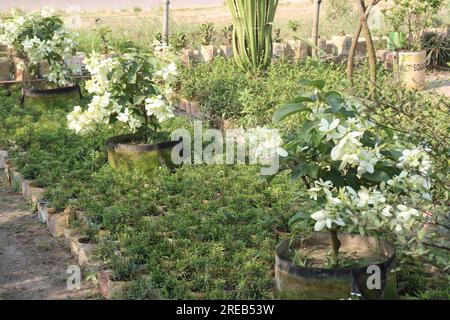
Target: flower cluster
[39,37]
[132,89]
[362,182]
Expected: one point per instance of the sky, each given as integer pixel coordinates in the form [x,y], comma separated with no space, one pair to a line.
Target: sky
[94,5]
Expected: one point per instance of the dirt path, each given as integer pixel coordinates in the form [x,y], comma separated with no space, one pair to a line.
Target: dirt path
[32,264]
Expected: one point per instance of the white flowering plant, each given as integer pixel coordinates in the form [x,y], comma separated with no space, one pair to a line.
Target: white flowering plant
[36,37]
[363,177]
[134,89]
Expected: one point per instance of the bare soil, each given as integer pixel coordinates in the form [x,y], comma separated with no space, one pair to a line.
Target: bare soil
[32,264]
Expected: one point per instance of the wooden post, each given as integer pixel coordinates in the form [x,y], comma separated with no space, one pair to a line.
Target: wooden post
[166,4]
[315,32]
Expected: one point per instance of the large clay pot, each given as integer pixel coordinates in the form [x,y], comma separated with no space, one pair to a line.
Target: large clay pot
[124,155]
[317,283]
[410,68]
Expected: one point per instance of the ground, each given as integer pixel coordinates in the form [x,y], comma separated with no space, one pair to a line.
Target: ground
[439,81]
[32,264]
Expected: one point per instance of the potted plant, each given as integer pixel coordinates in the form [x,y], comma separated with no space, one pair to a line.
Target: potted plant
[207,50]
[38,37]
[409,20]
[366,186]
[86,243]
[134,90]
[226,48]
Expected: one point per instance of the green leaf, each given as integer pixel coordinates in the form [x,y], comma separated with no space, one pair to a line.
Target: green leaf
[299,216]
[334,100]
[377,176]
[138,99]
[287,110]
[319,84]
[309,169]
[305,97]
[421,234]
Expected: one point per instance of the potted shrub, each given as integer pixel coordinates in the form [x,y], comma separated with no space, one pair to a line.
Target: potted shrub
[134,90]
[410,19]
[86,243]
[207,50]
[38,37]
[57,221]
[368,187]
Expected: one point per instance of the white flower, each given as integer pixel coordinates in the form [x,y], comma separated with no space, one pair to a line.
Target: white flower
[347,149]
[47,12]
[168,73]
[367,161]
[327,127]
[405,214]
[320,185]
[387,211]
[124,116]
[158,107]
[268,144]
[410,158]
[134,123]
[323,219]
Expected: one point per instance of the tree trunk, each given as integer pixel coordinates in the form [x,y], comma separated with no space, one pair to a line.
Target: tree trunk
[315,31]
[369,42]
[363,25]
[336,243]
[351,55]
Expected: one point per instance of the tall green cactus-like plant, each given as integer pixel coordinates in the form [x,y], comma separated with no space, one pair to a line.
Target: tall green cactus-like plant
[252,34]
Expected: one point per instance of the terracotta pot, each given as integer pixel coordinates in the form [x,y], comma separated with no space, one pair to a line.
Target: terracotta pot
[81,216]
[278,51]
[85,249]
[4,156]
[342,43]
[331,47]
[410,68]
[8,172]
[5,69]
[207,53]
[183,104]
[16,181]
[42,208]
[361,48]
[296,50]
[57,222]
[72,236]
[75,64]
[21,71]
[26,189]
[110,289]
[226,51]
[37,194]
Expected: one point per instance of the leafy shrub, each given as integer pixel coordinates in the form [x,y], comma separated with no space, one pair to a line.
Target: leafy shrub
[438,48]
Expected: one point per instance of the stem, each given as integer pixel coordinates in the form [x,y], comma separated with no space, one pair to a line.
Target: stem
[336,245]
[145,127]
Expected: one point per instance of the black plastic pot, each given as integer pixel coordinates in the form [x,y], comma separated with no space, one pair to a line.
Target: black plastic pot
[295,282]
[50,93]
[124,155]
